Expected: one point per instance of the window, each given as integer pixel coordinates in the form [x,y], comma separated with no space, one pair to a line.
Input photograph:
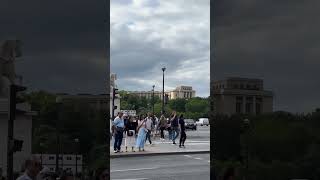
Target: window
[78,158]
[241,86]
[248,86]
[69,158]
[238,107]
[258,108]
[51,158]
[248,108]
[239,98]
[60,158]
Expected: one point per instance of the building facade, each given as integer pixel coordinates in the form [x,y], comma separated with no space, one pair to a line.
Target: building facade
[241,96]
[183,92]
[68,162]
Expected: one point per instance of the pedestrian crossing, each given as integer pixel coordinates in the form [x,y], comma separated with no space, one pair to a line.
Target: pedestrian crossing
[191,142]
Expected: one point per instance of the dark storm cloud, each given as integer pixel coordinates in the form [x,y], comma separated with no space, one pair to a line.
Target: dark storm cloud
[274,40]
[64,43]
[147,35]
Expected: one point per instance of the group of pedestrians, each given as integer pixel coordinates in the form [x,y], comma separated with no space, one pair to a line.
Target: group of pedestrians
[137,130]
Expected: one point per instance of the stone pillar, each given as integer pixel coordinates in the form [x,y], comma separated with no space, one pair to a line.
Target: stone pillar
[254,105]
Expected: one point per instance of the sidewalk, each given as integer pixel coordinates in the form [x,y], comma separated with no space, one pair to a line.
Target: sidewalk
[165,148]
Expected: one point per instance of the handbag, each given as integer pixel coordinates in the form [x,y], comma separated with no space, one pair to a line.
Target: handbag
[129,133]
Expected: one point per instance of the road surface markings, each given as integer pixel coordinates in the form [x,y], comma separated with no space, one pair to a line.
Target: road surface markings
[188,156]
[140,169]
[198,158]
[132,179]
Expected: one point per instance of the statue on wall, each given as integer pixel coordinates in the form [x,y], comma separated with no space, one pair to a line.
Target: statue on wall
[9,51]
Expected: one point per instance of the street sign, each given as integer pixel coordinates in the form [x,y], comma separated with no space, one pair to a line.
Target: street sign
[129,112]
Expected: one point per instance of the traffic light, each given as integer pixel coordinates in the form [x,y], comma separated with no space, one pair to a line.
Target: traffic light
[115,92]
[13,144]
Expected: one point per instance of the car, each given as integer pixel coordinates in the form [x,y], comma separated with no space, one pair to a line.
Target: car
[190,124]
[203,122]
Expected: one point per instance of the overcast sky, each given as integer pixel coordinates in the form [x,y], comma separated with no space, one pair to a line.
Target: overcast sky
[63,43]
[271,39]
[149,34]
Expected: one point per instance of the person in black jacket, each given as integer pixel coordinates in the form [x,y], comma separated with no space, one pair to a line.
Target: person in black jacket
[174,127]
[183,135]
[130,131]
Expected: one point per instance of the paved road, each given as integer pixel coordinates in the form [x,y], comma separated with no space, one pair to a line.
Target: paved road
[169,167]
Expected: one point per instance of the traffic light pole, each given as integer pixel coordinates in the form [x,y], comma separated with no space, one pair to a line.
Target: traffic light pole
[113,96]
[12,108]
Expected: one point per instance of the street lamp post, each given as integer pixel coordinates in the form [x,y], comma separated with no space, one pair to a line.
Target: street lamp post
[77,142]
[153,99]
[163,69]
[41,152]
[247,128]
[58,150]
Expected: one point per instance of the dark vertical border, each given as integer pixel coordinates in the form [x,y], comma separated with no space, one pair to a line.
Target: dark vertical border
[211,114]
[107,51]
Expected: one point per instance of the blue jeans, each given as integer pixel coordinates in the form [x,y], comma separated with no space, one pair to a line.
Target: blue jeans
[148,136]
[118,140]
[170,134]
[175,133]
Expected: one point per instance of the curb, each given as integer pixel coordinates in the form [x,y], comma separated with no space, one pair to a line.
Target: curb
[157,154]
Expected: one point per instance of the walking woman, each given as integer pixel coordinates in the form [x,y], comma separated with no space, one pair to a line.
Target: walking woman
[183,135]
[162,125]
[130,134]
[169,129]
[142,131]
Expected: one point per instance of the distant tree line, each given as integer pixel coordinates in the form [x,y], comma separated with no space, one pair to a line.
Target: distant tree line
[70,120]
[193,108]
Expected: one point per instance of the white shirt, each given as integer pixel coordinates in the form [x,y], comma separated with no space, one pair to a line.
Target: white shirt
[149,123]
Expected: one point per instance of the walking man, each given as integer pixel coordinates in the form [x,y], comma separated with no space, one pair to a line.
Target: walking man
[149,126]
[118,124]
[175,127]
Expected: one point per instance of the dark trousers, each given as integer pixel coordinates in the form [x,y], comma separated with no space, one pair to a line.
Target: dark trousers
[148,136]
[183,137]
[161,132]
[118,140]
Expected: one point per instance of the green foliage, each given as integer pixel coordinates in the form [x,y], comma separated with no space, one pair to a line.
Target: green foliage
[193,108]
[68,121]
[281,145]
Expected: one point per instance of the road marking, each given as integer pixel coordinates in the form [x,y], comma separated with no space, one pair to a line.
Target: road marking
[198,158]
[124,170]
[132,179]
[188,156]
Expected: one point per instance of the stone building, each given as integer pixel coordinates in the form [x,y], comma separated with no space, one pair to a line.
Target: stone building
[184,92]
[241,95]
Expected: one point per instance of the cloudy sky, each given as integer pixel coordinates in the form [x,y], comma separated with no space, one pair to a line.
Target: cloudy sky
[64,43]
[149,34]
[271,39]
